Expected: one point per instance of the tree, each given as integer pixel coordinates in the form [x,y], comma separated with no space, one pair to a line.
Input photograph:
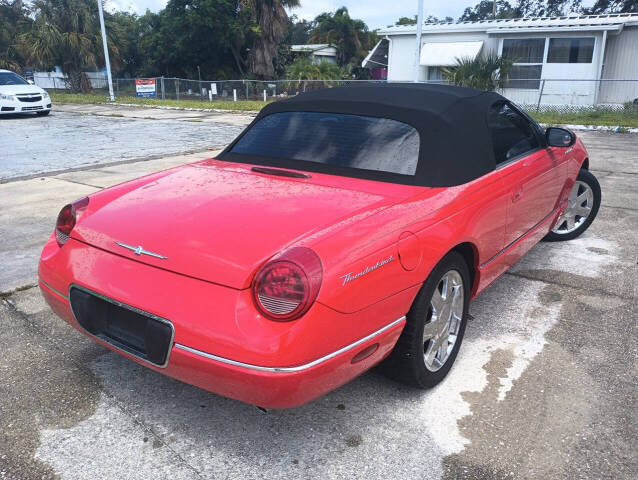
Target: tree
[271,29]
[66,33]
[547,8]
[299,31]
[405,21]
[484,11]
[211,34]
[613,6]
[523,8]
[13,18]
[303,68]
[482,72]
[412,20]
[349,36]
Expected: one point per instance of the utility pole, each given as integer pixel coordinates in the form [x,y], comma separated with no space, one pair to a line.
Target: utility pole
[106,51]
[419,29]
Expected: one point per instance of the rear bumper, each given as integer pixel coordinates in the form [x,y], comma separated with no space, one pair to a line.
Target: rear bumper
[273,374]
[265,386]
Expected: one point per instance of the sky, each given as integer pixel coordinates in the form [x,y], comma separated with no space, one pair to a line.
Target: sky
[376,13]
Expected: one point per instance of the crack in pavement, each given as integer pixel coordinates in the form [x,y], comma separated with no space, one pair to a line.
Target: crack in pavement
[9,293]
[77,183]
[530,276]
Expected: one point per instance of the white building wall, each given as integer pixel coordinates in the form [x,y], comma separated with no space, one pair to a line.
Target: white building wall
[402,52]
[621,63]
[401,58]
[565,84]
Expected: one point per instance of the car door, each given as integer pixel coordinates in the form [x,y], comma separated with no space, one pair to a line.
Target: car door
[534,174]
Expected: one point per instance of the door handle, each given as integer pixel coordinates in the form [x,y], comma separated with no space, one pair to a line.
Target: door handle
[516,196]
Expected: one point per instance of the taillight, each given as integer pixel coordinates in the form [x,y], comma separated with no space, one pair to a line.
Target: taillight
[286,287]
[67,218]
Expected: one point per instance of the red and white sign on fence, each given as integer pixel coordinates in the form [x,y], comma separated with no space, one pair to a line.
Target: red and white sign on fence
[145,87]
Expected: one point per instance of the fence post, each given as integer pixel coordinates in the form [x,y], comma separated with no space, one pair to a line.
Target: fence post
[234,94]
[540,96]
[265,97]
[246,90]
[163,91]
[177,88]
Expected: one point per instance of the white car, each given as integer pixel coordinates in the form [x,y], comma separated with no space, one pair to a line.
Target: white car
[19,96]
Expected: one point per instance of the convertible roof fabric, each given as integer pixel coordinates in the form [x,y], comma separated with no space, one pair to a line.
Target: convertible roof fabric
[455,142]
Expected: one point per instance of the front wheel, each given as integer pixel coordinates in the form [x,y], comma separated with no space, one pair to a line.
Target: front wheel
[430,341]
[582,208]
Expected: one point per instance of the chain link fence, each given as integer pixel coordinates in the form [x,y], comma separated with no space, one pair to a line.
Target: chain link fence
[561,95]
[228,90]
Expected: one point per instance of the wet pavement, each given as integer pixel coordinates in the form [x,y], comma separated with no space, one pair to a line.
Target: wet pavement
[544,385]
[33,145]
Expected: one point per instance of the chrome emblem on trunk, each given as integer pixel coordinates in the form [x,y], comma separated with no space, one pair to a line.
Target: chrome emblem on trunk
[140,251]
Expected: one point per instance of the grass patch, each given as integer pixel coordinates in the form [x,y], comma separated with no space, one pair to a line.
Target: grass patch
[610,117]
[242,105]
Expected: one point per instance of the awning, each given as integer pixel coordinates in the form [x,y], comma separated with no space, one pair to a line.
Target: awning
[444,54]
[378,56]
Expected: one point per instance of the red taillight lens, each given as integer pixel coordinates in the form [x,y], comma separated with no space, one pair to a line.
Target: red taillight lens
[285,288]
[67,218]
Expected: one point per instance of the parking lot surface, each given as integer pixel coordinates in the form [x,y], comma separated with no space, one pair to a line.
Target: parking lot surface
[84,136]
[544,385]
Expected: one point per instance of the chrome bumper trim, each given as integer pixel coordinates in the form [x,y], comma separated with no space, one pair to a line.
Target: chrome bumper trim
[54,290]
[298,368]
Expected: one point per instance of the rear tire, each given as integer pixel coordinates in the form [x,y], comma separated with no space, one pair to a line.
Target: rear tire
[582,208]
[435,325]
[43,114]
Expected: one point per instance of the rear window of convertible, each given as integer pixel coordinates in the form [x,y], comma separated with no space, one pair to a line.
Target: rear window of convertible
[344,140]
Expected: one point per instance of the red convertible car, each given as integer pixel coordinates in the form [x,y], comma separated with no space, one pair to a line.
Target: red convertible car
[342,229]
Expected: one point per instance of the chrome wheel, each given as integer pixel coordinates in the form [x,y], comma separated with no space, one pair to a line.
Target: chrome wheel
[579,206]
[443,320]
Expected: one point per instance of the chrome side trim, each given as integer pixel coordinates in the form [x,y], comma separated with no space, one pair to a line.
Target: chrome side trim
[298,368]
[133,309]
[54,290]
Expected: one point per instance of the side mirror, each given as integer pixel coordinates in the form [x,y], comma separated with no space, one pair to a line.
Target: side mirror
[31,82]
[559,137]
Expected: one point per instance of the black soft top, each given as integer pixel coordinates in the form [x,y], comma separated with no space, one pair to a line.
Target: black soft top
[455,143]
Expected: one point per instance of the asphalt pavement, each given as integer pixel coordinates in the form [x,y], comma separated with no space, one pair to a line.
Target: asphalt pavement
[81,136]
[544,386]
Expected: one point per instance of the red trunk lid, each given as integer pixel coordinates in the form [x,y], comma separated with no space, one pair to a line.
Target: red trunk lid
[218,221]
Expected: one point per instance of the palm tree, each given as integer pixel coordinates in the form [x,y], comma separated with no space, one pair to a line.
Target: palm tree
[66,33]
[482,72]
[349,36]
[272,28]
[305,69]
[13,18]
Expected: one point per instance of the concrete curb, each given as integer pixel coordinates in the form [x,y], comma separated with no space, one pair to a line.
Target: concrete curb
[596,128]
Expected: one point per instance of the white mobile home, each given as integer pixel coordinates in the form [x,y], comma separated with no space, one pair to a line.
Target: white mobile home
[564,60]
